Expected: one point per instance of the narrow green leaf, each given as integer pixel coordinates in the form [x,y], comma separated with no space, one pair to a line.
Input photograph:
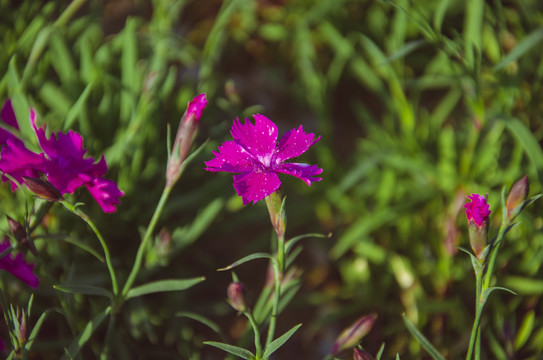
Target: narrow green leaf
[491,289]
[84,246]
[524,285]
[241,352]
[404,51]
[529,42]
[67,354]
[528,141]
[525,330]
[129,73]
[422,340]
[203,320]
[83,289]
[163,286]
[85,335]
[77,108]
[35,331]
[473,30]
[290,243]
[246,259]
[380,353]
[277,343]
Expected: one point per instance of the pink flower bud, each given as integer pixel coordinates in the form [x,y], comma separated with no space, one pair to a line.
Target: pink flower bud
[19,233]
[196,107]
[44,189]
[354,333]
[237,296]
[184,137]
[517,195]
[359,354]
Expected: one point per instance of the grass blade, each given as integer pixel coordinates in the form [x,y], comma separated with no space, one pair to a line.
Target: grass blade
[422,340]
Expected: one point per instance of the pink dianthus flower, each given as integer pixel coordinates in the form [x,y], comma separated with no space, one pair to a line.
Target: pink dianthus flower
[63,162]
[17,266]
[477,210]
[255,154]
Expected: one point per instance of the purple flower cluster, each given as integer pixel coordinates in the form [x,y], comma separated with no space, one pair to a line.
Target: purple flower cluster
[477,210]
[255,154]
[62,161]
[17,266]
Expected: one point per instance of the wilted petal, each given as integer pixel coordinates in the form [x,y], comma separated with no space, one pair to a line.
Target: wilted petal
[255,186]
[231,157]
[307,173]
[17,161]
[17,266]
[294,143]
[105,192]
[259,139]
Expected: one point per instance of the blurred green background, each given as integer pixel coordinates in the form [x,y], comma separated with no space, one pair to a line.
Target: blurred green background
[418,103]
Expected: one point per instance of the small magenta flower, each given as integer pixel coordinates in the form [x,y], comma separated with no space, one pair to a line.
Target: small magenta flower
[17,266]
[63,162]
[477,210]
[477,213]
[255,154]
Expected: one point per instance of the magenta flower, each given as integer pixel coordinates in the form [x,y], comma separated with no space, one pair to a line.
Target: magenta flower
[17,266]
[64,164]
[8,118]
[477,210]
[196,107]
[255,154]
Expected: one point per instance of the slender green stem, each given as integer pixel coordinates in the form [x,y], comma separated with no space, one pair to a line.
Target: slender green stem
[85,218]
[478,269]
[494,253]
[281,254]
[275,305]
[68,13]
[258,346]
[107,345]
[278,221]
[143,245]
[478,346]
[483,283]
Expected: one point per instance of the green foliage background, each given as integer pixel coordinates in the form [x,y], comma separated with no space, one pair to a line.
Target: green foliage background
[418,104]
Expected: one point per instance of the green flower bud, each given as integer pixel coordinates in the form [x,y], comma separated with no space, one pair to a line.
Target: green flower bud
[517,195]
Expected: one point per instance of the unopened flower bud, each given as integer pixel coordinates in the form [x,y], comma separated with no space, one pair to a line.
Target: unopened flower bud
[196,107]
[352,335]
[237,296]
[477,213]
[184,137]
[19,233]
[359,354]
[517,195]
[44,189]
